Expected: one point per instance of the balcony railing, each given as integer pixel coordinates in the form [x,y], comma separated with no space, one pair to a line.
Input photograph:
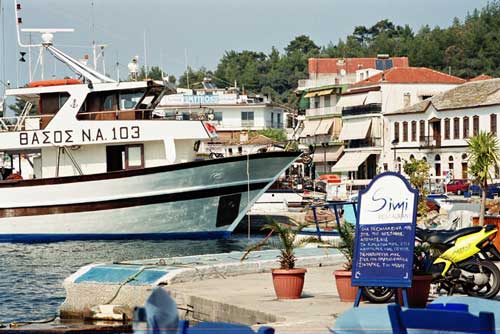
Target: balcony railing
[429,141]
[368,142]
[372,108]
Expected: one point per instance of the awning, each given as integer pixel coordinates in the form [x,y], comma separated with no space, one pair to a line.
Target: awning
[374,97]
[325,126]
[319,93]
[350,161]
[310,127]
[319,155]
[353,129]
[352,100]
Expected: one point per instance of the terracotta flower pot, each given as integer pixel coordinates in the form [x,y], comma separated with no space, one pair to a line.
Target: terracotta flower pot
[418,294]
[347,292]
[288,283]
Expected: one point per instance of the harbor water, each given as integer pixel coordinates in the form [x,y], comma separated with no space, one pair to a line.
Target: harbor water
[32,274]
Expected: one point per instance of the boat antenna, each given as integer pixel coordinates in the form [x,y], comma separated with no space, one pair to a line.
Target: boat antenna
[4,71]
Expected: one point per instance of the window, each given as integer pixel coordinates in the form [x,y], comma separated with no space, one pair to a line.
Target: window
[278,121]
[475,125]
[405,131]
[247,118]
[422,130]
[316,104]
[120,157]
[134,156]
[456,128]
[218,116]
[446,128]
[466,127]
[311,102]
[272,120]
[414,131]
[493,124]
[396,132]
[129,100]
[327,101]
[108,102]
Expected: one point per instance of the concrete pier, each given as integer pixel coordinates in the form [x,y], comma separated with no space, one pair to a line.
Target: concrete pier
[216,287]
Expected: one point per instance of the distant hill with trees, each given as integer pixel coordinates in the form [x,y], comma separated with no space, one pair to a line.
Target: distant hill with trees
[466,49]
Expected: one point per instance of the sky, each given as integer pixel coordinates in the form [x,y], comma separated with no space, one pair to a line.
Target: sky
[198,32]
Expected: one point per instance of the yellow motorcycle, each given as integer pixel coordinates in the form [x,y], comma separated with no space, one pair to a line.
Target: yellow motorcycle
[460,260]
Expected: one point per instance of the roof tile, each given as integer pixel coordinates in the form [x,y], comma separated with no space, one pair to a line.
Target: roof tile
[409,75]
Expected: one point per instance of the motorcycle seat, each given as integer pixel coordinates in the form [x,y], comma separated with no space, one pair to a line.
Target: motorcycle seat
[444,237]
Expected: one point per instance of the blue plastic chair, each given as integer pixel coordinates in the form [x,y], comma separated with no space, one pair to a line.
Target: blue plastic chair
[220,328]
[440,320]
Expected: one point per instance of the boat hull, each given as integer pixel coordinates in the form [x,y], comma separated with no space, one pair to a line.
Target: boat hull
[191,200]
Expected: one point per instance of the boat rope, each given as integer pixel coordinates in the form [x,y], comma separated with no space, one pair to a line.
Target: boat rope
[17,324]
[128,280]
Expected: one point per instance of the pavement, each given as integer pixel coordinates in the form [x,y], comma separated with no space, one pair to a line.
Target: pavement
[250,299]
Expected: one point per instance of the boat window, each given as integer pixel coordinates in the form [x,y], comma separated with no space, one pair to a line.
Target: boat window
[134,156]
[108,102]
[120,157]
[129,100]
[51,103]
[151,98]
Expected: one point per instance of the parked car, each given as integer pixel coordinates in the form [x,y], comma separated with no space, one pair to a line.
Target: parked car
[458,186]
[493,189]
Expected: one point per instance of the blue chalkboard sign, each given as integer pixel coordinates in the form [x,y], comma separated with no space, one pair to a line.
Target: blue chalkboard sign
[385,233]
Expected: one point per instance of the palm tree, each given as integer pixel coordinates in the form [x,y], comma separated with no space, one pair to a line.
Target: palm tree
[483,151]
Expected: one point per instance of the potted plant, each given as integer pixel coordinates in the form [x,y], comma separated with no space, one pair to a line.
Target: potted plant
[343,278]
[418,293]
[288,281]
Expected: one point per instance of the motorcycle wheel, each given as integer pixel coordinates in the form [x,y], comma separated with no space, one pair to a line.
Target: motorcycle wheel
[377,294]
[488,290]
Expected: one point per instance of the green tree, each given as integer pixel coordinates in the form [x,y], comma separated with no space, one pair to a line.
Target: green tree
[483,156]
[154,73]
[302,44]
[418,171]
[278,135]
[196,77]
[19,105]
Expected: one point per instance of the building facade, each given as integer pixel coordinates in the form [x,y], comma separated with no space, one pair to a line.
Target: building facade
[365,129]
[234,115]
[437,129]
[328,79]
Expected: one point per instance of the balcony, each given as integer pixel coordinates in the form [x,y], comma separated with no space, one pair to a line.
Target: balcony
[321,111]
[367,142]
[373,108]
[429,142]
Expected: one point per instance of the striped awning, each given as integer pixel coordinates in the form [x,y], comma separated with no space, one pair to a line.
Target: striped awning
[310,127]
[325,126]
[352,100]
[350,161]
[353,129]
[319,93]
[331,155]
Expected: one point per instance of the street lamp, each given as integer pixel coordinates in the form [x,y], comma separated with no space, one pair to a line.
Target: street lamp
[325,146]
[394,143]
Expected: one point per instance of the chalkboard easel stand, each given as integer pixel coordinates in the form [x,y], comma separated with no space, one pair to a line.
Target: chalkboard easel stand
[403,290]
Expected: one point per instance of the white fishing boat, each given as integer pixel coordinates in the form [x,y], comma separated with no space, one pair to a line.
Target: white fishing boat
[108,164]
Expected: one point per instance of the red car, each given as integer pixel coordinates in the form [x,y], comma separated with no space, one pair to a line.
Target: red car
[457,186]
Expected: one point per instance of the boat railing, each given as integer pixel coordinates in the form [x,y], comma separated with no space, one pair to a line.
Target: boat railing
[24,123]
[144,114]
